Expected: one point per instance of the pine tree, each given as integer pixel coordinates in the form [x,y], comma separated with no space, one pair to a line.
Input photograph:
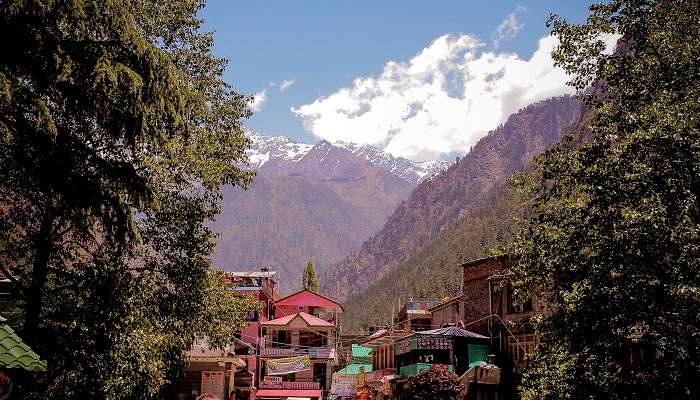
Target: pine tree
[309,280]
[116,134]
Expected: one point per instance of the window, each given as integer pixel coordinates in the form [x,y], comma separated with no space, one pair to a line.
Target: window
[281,339]
[522,345]
[313,339]
[514,308]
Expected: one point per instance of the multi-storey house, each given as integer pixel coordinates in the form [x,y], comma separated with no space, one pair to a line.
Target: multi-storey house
[262,286]
[298,347]
[414,316]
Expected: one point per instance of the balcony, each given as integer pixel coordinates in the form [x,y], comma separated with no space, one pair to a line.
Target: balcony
[272,382]
[313,352]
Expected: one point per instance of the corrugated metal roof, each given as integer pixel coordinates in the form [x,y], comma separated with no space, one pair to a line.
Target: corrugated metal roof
[14,353]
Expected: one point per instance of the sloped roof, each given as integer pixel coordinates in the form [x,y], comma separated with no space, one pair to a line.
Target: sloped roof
[360,351]
[354,369]
[384,336]
[452,331]
[310,320]
[14,353]
[308,298]
[201,350]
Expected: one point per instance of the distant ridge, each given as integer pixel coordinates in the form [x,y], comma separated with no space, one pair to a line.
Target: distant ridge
[319,201]
[453,194]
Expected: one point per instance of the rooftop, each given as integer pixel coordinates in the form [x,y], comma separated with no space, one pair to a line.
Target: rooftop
[308,298]
[251,274]
[310,320]
[14,353]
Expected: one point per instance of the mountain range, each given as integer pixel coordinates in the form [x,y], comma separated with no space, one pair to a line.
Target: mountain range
[451,197]
[310,201]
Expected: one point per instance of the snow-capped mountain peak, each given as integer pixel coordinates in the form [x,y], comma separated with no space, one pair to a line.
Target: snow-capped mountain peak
[274,148]
[408,170]
[277,151]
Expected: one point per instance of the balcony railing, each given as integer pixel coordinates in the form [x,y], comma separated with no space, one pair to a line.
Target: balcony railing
[275,382]
[313,352]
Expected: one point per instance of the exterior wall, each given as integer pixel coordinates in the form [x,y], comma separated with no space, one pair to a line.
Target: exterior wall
[447,313]
[383,357]
[476,293]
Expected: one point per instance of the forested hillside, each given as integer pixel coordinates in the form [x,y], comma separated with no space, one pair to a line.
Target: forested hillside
[434,270]
[454,194]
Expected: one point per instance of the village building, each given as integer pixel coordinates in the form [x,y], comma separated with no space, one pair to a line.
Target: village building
[456,348]
[488,303]
[414,316]
[217,372]
[262,286]
[344,381]
[298,347]
[383,360]
[448,312]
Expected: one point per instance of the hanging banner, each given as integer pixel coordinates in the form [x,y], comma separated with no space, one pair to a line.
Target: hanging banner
[283,366]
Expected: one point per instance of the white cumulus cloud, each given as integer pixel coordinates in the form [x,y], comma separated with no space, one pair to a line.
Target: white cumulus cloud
[286,84]
[258,101]
[438,103]
[508,28]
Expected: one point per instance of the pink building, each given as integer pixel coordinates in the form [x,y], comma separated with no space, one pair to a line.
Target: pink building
[260,285]
[298,347]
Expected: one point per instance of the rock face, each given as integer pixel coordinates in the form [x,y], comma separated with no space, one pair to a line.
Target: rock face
[319,201]
[451,195]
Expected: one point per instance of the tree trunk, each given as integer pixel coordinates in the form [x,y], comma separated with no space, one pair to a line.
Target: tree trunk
[40,265]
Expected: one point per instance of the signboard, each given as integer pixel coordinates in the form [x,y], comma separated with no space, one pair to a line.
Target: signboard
[213,383]
[361,377]
[344,385]
[283,366]
[272,382]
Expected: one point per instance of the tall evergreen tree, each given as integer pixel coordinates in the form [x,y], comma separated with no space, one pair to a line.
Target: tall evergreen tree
[613,242]
[308,279]
[111,110]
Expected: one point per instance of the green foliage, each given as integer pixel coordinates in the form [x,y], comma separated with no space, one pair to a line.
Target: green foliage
[434,270]
[612,245]
[309,280]
[434,384]
[116,132]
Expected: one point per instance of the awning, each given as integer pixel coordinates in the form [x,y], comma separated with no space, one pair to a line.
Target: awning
[288,393]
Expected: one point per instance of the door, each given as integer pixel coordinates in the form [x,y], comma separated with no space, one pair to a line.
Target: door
[320,374]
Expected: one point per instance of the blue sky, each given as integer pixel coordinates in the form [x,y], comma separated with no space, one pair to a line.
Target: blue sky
[324,46]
